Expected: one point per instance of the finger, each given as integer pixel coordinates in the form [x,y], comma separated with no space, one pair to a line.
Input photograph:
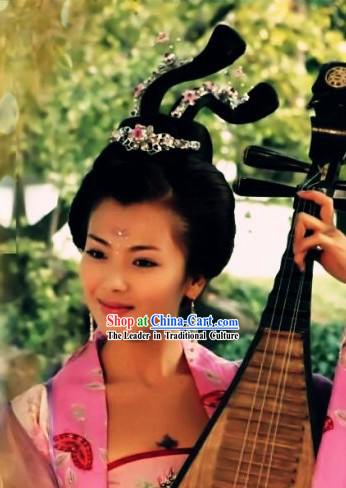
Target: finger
[299,226]
[306,222]
[299,259]
[325,202]
[311,242]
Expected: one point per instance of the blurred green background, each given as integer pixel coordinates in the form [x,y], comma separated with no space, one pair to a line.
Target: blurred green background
[68,70]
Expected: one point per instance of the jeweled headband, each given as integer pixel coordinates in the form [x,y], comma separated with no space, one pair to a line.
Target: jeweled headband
[145,139]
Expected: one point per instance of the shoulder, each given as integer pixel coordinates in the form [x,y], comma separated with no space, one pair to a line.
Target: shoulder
[31,410]
[219,362]
[214,368]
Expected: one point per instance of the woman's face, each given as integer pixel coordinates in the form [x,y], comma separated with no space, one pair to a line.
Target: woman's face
[132,257]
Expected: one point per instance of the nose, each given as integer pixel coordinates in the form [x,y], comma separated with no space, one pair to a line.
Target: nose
[115,281]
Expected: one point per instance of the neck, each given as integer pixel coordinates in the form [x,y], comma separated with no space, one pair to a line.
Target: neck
[147,362]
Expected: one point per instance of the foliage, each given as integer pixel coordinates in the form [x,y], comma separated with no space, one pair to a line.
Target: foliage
[325,347]
[250,297]
[47,315]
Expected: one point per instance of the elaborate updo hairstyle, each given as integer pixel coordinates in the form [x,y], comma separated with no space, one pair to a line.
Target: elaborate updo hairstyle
[182,179]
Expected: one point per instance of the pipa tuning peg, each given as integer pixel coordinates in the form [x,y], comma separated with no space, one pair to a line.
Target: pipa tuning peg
[258,188]
[265,158]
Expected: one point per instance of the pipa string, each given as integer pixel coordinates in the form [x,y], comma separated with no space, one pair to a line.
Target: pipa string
[258,380]
[286,359]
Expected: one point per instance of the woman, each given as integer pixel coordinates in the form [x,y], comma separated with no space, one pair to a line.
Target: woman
[155,222]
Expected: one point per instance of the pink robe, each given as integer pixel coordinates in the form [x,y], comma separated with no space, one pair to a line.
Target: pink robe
[67,421]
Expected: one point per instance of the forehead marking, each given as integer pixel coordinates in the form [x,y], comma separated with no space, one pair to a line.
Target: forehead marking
[121,232]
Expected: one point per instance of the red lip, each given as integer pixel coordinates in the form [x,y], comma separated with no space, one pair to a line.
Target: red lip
[115,308]
[115,305]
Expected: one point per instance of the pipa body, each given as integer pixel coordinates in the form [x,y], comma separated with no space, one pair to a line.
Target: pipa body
[263,433]
[274,447]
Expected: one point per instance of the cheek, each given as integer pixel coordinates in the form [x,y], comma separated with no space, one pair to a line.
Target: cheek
[167,286]
[88,278]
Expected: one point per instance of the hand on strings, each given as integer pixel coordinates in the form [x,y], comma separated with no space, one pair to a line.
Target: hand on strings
[326,238]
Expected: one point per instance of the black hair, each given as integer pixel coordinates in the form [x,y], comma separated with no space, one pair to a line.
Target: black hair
[194,189]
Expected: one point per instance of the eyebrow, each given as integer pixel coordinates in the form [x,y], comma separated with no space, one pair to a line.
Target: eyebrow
[132,248]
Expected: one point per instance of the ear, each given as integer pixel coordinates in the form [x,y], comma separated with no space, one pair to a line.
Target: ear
[194,287]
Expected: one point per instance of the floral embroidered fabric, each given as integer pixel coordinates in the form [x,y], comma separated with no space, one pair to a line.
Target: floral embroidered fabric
[73,451]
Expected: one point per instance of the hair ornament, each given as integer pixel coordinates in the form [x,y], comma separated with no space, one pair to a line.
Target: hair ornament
[228,96]
[144,138]
[168,62]
[178,129]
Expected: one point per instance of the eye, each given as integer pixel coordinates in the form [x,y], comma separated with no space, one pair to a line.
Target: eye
[94,253]
[145,263]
